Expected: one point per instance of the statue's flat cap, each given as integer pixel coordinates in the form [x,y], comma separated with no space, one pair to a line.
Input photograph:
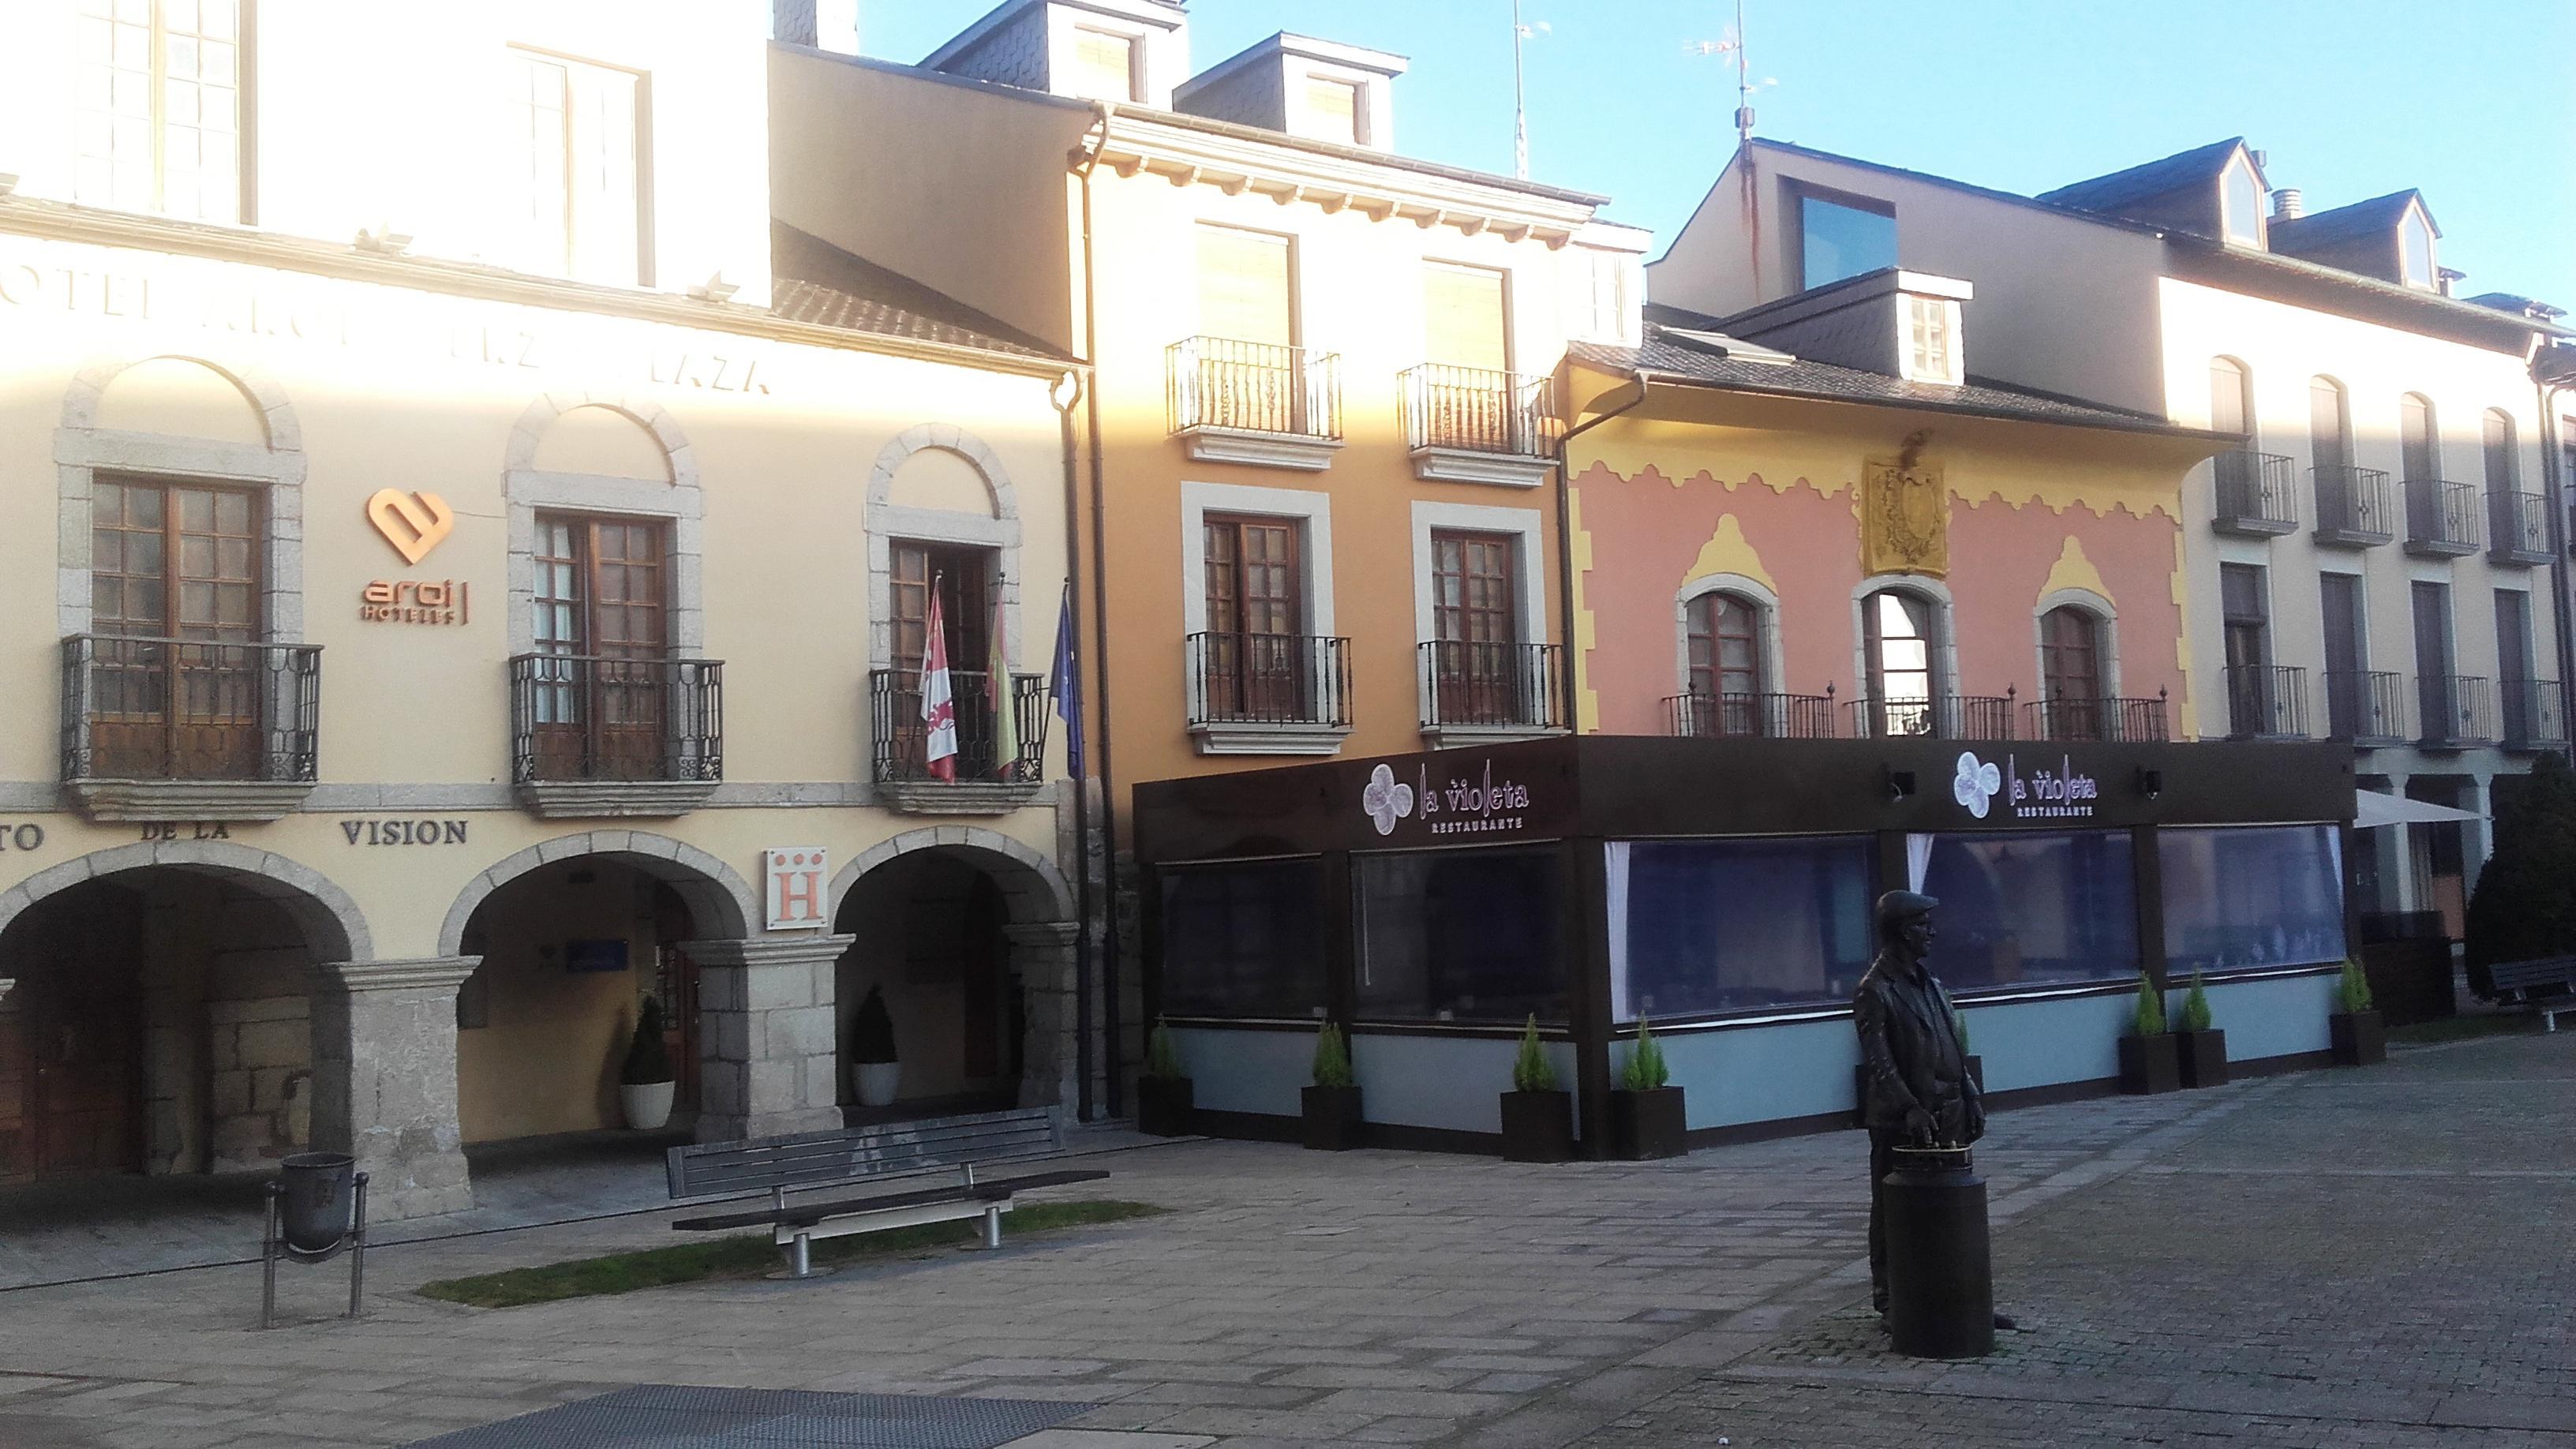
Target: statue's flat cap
[1905,903]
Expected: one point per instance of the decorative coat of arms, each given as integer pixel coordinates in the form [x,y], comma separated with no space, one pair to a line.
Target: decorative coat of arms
[1904,514]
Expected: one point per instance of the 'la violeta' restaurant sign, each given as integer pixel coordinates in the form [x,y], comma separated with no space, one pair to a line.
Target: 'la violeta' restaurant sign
[1446,799]
[2059,792]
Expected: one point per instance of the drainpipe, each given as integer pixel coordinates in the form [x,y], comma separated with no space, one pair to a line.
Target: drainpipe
[2552,375]
[1086,161]
[1068,390]
[1565,548]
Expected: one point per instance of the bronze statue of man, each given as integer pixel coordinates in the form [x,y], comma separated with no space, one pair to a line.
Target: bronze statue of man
[1917,1092]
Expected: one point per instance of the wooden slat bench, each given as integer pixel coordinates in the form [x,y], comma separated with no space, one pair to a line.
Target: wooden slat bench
[817,1160]
[2547,985]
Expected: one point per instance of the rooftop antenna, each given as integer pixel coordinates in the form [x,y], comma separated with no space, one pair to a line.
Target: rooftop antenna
[1732,43]
[1521,35]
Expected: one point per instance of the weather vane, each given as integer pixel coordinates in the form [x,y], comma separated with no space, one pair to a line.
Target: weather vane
[1732,43]
[1520,110]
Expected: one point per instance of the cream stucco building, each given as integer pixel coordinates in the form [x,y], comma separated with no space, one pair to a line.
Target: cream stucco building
[459,588]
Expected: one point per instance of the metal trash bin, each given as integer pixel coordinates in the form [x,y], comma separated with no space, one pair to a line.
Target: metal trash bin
[1940,1281]
[320,1201]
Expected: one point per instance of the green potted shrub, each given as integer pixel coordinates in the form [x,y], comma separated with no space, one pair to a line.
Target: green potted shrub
[1331,1106]
[2201,1049]
[1164,1094]
[874,1071]
[645,1083]
[1538,1117]
[2358,1035]
[1646,1119]
[2150,1059]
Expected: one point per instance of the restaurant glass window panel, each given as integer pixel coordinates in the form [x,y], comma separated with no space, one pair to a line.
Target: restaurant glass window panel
[2251,896]
[2033,908]
[1738,925]
[1243,939]
[1461,935]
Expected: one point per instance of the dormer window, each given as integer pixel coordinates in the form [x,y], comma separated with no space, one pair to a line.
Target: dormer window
[1932,340]
[2415,249]
[1104,66]
[1841,236]
[1336,110]
[2241,204]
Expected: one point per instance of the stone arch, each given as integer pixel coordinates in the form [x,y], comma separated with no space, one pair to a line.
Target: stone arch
[1945,641]
[680,503]
[1766,608]
[886,521]
[83,449]
[947,437]
[652,417]
[329,918]
[722,903]
[1036,892]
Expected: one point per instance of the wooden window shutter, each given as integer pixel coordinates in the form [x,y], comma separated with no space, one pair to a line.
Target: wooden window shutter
[1243,287]
[1462,310]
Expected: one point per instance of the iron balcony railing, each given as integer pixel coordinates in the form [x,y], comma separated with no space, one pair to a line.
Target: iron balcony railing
[189,709]
[899,740]
[2257,493]
[1253,387]
[596,717]
[2353,510]
[2518,528]
[2457,711]
[1501,685]
[1954,717]
[2121,721]
[1285,679]
[2366,708]
[2267,702]
[1476,411]
[2534,716]
[1759,716]
[2441,518]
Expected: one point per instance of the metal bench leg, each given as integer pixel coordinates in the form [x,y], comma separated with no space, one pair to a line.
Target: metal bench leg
[993,1226]
[801,1257]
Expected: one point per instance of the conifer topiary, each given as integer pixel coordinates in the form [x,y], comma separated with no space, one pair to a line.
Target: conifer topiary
[647,1060]
[1531,1070]
[2524,906]
[2195,1006]
[2353,991]
[1162,1055]
[2150,1017]
[1332,1058]
[1645,1071]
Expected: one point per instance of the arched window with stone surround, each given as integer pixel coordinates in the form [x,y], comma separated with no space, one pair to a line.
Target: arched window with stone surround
[1902,660]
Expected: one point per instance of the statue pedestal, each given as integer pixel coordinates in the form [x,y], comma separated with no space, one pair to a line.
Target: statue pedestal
[1940,1282]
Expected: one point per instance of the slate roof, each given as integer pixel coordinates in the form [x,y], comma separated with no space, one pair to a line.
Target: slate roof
[2517,304]
[2154,178]
[820,283]
[1699,362]
[2376,217]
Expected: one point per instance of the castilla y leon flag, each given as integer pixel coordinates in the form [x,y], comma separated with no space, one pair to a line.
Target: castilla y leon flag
[938,706]
[997,689]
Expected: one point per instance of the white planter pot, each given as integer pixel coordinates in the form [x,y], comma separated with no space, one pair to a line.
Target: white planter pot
[876,1082]
[648,1104]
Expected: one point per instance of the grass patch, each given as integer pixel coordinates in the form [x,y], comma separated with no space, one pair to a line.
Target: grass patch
[2462,1028]
[747,1256]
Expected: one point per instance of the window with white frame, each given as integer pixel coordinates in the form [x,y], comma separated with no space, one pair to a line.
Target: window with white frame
[2240,204]
[158,111]
[2415,249]
[1932,340]
[1104,66]
[581,139]
[1337,110]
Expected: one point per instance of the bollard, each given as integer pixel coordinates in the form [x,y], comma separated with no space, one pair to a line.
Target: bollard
[1940,1285]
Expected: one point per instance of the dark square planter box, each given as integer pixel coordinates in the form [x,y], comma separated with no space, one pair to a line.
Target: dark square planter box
[1860,1087]
[1538,1126]
[1646,1124]
[1163,1105]
[1332,1118]
[2150,1064]
[2203,1058]
[2360,1038]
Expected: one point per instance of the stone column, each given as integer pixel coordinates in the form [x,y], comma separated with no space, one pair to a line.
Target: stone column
[770,1056]
[1043,956]
[384,1080]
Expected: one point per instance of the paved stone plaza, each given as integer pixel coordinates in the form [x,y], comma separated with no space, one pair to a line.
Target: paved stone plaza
[2373,1257]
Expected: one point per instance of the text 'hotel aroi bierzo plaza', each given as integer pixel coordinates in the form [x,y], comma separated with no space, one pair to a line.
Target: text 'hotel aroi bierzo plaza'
[466,589]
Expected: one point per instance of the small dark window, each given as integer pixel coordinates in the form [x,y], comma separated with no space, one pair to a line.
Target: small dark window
[1243,939]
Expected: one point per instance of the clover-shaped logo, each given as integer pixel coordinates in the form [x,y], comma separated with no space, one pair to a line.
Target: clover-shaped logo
[1975,784]
[1387,800]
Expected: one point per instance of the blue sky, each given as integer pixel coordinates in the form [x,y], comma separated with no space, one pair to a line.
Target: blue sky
[2473,102]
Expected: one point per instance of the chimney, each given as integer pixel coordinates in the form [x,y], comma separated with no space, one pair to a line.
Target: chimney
[2286,205]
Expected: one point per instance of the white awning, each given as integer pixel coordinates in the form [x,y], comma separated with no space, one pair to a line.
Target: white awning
[2372,808]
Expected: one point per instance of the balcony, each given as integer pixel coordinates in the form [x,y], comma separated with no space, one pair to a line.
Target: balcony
[2456,710]
[594,736]
[1956,717]
[984,778]
[2267,702]
[2116,721]
[2366,708]
[2441,518]
[1751,716]
[2257,496]
[189,729]
[2518,529]
[2353,510]
[1486,691]
[1254,402]
[1268,694]
[2534,716]
[1468,425]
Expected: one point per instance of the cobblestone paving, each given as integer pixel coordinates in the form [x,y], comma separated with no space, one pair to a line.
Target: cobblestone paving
[2185,1249]
[2376,1258]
